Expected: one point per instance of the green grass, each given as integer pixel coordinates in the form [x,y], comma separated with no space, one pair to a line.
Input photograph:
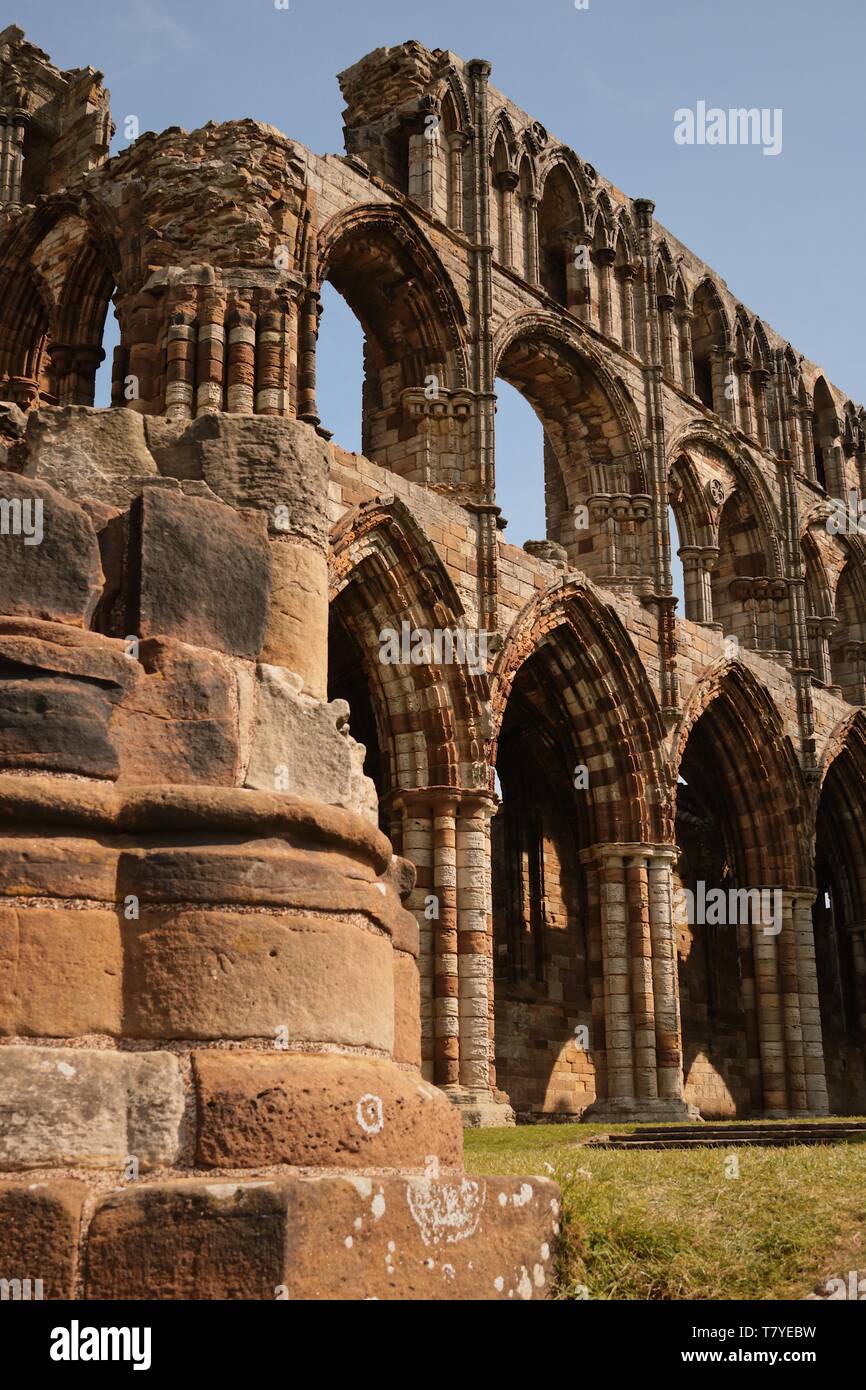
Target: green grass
[672,1225]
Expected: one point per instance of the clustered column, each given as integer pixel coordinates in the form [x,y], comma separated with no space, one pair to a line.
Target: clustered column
[636,996]
[817,1099]
[13,126]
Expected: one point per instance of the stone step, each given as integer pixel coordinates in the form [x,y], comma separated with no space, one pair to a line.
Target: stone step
[782,1134]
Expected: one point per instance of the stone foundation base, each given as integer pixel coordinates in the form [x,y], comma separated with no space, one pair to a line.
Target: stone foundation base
[480,1110]
[334,1237]
[635,1110]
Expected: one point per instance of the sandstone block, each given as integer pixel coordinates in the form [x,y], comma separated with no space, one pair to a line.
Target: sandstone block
[204,572]
[178,725]
[303,746]
[60,972]
[220,974]
[89,1109]
[39,1225]
[49,554]
[361,1237]
[85,452]
[319,1110]
[220,1240]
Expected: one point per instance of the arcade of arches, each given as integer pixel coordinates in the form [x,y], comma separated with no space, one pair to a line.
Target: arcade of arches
[616,759]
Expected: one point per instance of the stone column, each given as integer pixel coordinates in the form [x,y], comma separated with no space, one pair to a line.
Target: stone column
[604,258]
[636,1009]
[457,145]
[241,363]
[760,381]
[474,947]
[311,310]
[789,980]
[505,181]
[180,366]
[698,562]
[529,203]
[417,846]
[808,442]
[665,306]
[640,950]
[446,980]
[770,1021]
[666,991]
[626,275]
[743,369]
[13,128]
[617,978]
[423,143]
[724,384]
[817,1099]
[687,360]
[273,359]
[210,353]
[578,293]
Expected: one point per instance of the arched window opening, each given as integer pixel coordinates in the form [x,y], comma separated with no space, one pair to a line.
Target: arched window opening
[678,577]
[340,353]
[347,681]
[505,182]
[747,601]
[522,467]
[825,437]
[25,375]
[560,219]
[708,341]
[416,417]
[848,650]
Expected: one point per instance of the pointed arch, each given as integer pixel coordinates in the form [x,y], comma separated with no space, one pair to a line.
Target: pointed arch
[598,706]
[839,913]
[711,338]
[593,440]
[760,781]
[385,572]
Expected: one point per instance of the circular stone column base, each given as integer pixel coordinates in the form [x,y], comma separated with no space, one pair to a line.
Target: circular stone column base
[346,1237]
[479,1109]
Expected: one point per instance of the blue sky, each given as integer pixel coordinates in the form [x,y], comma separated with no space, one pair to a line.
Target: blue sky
[785,233]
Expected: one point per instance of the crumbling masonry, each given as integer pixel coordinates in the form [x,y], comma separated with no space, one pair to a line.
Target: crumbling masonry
[212,1001]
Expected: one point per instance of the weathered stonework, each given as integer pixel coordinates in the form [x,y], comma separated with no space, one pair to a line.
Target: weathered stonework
[169,678]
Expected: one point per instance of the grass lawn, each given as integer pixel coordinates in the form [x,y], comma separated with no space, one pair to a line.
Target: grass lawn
[673,1225]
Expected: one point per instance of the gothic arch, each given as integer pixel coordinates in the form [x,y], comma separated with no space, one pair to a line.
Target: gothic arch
[711,338]
[372,249]
[383,572]
[760,783]
[593,440]
[597,701]
[839,913]
[46,306]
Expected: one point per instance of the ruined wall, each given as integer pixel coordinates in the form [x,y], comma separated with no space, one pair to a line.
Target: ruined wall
[472,246]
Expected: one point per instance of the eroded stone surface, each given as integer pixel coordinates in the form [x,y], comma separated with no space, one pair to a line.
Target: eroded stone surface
[320,1111]
[328,1238]
[89,1109]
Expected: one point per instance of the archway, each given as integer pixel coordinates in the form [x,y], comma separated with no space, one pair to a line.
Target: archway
[578,764]
[596,497]
[839,917]
[739,826]
[416,416]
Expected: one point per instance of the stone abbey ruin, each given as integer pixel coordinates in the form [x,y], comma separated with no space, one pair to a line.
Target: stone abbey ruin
[279,916]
